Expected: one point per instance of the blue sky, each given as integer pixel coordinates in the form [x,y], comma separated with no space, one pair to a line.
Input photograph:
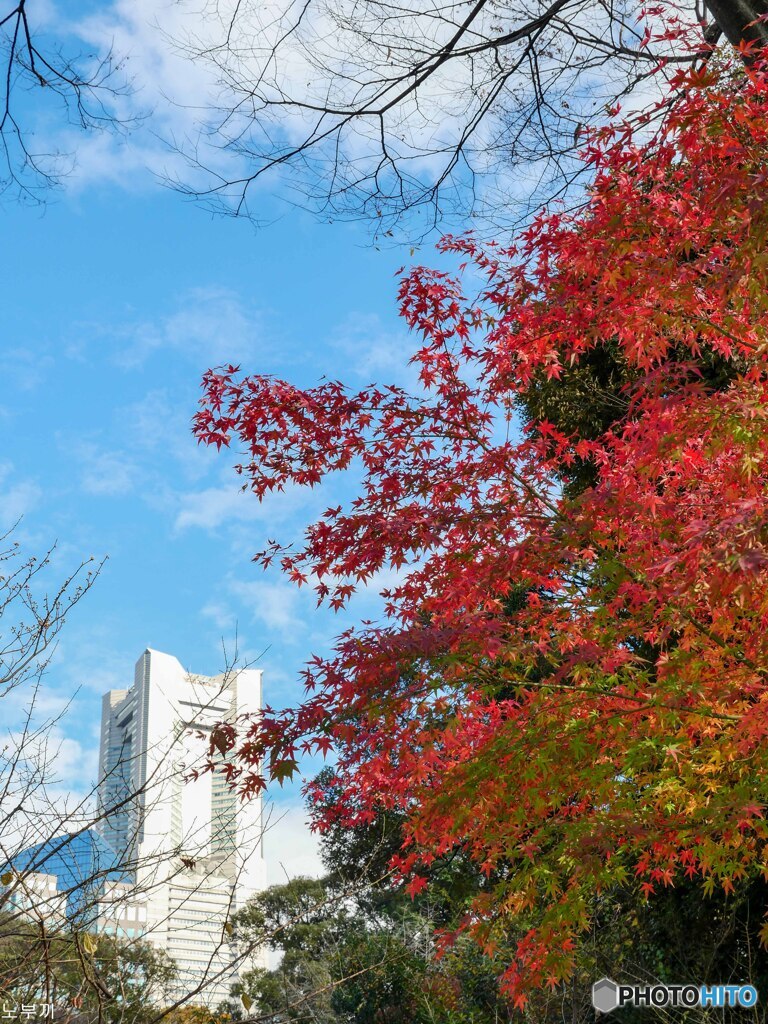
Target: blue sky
[116,298]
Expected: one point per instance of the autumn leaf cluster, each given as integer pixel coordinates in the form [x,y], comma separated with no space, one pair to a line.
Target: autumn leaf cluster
[569,685]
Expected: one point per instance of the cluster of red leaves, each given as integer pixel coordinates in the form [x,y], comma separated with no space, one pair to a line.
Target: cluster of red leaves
[610,723]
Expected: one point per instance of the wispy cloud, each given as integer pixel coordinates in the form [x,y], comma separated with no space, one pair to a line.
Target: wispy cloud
[202,326]
[374,353]
[24,369]
[277,606]
[211,507]
[209,326]
[161,429]
[104,473]
[20,495]
[168,93]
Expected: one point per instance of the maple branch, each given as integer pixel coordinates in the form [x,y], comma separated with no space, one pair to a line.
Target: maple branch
[645,704]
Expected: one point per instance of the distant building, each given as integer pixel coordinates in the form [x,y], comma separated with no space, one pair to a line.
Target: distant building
[191,849]
[35,896]
[172,857]
[74,882]
[64,877]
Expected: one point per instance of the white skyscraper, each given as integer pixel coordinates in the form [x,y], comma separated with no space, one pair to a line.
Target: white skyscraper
[192,848]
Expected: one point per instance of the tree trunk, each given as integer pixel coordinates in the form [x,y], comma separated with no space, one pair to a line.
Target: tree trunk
[737,20]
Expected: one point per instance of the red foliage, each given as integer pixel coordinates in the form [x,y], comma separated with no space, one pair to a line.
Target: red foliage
[611,723]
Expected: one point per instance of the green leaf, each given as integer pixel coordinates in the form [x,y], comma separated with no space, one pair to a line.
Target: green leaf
[279,771]
[246,1001]
[90,944]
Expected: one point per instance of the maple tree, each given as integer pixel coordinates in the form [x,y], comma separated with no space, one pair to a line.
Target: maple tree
[569,685]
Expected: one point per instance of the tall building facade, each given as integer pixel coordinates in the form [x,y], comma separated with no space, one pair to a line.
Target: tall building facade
[187,844]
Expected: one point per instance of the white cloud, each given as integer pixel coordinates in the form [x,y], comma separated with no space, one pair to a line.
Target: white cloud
[19,499]
[20,496]
[211,507]
[107,159]
[196,102]
[158,419]
[76,765]
[204,327]
[23,369]
[158,427]
[56,775]
[199,89]
[290,849]
[105,473]
[374,353]
[210,326]
[167,92]
[219,614]
[277,606]
[89,657]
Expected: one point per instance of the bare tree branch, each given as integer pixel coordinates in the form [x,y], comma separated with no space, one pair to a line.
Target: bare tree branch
[41,78]
[434,109]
